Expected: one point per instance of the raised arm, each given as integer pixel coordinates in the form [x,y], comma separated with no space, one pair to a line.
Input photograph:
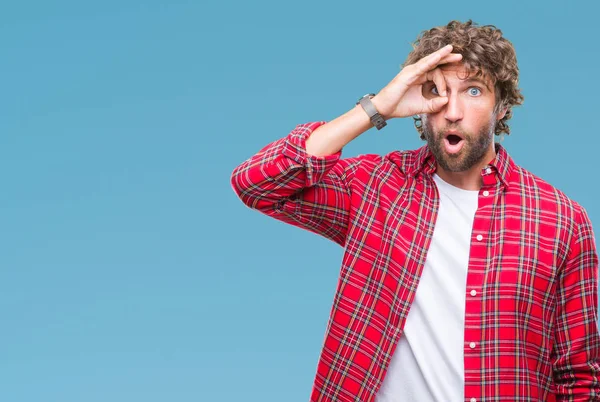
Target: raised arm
[285,182]
[301,180]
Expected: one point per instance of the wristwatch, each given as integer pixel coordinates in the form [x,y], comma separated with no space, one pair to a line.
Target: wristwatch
[368,106]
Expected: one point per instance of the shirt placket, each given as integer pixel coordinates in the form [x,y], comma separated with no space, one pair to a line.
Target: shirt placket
[480,243]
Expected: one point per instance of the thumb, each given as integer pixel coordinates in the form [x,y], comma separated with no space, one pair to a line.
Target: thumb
[436,104]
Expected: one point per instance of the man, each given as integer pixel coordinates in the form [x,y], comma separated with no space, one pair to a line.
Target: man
[464,276]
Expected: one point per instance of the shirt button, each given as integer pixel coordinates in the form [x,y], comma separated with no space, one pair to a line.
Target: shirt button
[486,193]
[479,237]
[473,292]
[473,399]
[488,170]
[472,345]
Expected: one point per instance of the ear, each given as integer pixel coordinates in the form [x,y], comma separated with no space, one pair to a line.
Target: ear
[501,114]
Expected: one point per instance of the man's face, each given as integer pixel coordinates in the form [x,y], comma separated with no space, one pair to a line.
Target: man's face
[461,134]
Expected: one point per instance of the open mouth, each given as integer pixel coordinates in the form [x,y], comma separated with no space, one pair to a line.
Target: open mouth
[453,143]
[453,139]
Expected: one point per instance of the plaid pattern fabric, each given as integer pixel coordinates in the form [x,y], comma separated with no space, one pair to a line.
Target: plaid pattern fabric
[531,324]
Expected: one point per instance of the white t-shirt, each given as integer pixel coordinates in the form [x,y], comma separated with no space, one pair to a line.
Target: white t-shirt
[428,363]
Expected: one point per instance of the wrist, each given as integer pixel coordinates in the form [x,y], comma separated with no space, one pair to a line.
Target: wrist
[379,104]
[375,117]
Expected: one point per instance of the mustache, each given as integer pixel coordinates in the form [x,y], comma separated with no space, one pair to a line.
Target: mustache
[442,132]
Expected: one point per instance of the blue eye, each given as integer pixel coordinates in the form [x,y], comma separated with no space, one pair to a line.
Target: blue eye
[434,90]
[473,91]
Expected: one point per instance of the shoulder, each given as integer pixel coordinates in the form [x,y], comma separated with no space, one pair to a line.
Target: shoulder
[547,198]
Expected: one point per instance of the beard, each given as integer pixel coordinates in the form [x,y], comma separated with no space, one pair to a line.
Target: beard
[472,153]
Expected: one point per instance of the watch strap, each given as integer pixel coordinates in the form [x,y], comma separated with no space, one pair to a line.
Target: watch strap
[374,115]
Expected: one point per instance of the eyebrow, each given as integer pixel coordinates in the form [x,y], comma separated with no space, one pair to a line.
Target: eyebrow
[470,81]
[477,80]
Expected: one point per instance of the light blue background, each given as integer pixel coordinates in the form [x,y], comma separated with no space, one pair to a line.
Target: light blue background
[129,269]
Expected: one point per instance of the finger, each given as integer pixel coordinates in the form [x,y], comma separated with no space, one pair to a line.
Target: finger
[435,105]
[431,61]
[451,58]
[438,79]
[436,59]
[421,78]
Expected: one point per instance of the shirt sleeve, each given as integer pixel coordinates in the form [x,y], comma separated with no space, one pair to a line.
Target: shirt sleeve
[307,191]
[576,353]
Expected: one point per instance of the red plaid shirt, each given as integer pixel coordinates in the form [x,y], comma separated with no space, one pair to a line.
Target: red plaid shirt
[533,264]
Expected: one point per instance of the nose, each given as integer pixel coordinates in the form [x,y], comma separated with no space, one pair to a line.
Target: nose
[453,110]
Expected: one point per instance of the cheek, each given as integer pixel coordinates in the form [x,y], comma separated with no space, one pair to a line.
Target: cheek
[434,120]
[431,122]
[480,113]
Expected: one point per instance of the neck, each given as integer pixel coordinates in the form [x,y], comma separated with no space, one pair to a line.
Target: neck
[469,179]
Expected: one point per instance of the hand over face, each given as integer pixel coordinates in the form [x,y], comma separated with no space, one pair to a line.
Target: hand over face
[404,95]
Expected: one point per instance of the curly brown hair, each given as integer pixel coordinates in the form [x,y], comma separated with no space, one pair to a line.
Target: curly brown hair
[485,54]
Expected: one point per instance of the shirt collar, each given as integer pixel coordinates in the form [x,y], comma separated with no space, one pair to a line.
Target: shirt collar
[498,169]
